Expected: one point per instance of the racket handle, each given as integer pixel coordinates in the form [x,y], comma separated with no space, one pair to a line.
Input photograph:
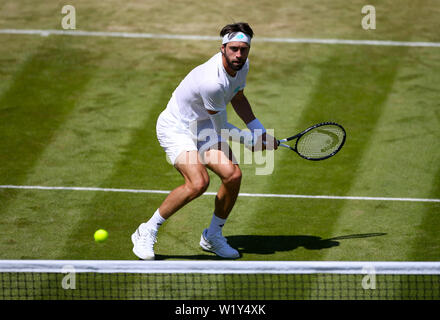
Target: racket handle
[278,143]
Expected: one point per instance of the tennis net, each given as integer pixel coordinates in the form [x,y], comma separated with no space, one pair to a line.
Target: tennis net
[217,280]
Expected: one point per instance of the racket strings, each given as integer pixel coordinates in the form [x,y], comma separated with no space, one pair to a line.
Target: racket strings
[320,142]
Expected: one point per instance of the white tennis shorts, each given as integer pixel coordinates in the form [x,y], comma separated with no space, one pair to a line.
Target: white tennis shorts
[176,137]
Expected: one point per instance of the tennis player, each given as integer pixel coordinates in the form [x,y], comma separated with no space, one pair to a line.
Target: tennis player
[198,106]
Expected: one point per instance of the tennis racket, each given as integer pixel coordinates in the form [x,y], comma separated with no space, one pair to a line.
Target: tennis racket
[319,142]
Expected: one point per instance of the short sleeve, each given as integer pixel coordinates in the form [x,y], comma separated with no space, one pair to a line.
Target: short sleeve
[213,96]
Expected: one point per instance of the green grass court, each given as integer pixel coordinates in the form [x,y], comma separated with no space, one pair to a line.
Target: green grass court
[81,112]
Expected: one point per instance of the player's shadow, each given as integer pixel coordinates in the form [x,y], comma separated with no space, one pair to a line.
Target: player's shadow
[264,244]
[260,244]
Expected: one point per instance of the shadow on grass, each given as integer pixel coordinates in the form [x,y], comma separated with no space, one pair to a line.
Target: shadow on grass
[261,244]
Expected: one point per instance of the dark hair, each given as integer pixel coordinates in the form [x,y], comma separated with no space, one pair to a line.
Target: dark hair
[237,27]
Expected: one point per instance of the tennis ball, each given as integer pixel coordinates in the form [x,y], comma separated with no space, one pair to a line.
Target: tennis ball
[100,235]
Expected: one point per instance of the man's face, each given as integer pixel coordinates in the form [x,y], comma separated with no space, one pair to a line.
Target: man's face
[236,53]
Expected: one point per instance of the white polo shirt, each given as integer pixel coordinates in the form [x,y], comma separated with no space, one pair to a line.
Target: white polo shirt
[185,124]
[207,86]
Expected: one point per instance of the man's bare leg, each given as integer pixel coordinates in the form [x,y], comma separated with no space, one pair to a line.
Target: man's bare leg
[196,182]
[219,161]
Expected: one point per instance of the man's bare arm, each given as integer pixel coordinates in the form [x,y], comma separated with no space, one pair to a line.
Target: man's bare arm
[244,110]
[242,107]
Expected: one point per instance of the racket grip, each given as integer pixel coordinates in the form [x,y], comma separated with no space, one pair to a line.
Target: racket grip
[278,143]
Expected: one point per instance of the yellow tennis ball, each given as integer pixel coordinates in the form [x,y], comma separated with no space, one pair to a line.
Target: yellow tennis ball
[100,235]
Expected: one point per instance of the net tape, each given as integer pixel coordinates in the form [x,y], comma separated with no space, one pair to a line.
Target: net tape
[222,267]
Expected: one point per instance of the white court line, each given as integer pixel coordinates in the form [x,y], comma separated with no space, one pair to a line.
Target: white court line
[255,195]
[199,37]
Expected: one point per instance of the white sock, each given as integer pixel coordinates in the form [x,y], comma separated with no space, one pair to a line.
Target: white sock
[216,225]
[154,223]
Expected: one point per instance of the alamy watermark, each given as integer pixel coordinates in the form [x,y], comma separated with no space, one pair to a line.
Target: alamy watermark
[369,20]
[68,22]
[369,280]
[252,152]
[251,149]
[69,280]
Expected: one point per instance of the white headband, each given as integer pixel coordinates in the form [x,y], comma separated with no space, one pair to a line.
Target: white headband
[236,36]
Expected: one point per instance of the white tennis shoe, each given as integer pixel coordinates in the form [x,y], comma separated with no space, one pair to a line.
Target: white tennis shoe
[143,243]
[218,244]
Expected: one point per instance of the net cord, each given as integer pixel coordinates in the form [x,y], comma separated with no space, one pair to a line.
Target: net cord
[220,267]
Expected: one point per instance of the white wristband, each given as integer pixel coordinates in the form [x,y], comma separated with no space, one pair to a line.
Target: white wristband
[256,125]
